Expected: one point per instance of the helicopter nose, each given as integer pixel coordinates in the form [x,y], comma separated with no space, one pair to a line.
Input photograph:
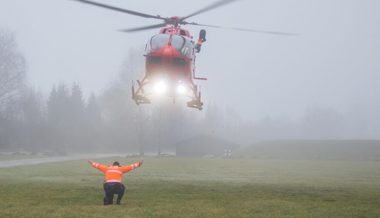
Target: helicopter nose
[169,51]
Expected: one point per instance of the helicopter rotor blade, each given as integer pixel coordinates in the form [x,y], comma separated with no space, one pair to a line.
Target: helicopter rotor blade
[208,8]
[121,9]
[246,30]
[136,29]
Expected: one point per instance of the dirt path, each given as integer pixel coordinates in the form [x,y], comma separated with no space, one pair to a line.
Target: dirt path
[22,162]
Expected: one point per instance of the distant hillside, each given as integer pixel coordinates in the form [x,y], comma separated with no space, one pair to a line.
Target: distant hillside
[203,145]
[313,149]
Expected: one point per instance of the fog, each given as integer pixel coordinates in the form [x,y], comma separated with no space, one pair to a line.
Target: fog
[323,83]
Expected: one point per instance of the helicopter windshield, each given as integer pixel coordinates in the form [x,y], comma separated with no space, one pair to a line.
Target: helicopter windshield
[182,44]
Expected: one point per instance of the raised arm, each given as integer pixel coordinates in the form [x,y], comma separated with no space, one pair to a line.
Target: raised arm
[133,166]
[98,166]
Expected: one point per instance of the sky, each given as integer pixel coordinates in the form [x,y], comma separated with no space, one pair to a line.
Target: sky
[334,62]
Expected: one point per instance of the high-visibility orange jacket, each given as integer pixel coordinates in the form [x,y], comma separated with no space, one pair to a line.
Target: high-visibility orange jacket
[114,173]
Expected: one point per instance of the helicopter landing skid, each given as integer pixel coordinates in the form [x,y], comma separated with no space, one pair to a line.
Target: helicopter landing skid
[196,101]
[139,98]
[195,104]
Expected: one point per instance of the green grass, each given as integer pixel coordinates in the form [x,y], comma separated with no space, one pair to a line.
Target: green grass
[174,187]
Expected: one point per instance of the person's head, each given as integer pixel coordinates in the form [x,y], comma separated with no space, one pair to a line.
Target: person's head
[116,163]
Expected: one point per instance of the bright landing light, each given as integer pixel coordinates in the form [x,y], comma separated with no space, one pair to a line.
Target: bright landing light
[181,89]
[160,87]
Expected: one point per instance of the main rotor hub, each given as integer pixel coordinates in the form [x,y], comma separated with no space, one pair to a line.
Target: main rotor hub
[175,21]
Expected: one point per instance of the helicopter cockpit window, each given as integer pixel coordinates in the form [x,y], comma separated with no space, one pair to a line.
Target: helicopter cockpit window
[182,44]
[188,48]
[158,41]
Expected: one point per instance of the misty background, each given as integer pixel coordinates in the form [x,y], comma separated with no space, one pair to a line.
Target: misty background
[65,75]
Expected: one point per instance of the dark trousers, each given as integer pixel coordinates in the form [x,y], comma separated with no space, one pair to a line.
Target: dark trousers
[113,188]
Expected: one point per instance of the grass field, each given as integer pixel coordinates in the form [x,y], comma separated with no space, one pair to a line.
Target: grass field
[174,187]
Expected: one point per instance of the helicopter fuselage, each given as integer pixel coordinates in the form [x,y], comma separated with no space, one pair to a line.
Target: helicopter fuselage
[169,67]
[170,54]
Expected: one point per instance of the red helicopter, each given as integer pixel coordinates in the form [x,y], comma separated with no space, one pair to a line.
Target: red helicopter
[170,55]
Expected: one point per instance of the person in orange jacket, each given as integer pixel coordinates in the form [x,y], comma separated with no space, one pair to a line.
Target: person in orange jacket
[112,182]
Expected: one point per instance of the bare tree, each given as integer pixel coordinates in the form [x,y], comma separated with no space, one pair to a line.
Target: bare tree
[12,67]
